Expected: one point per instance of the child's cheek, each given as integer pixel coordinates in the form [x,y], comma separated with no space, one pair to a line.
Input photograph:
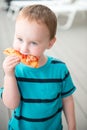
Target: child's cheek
[16,46]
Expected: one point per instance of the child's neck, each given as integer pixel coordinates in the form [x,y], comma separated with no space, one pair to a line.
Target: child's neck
[42,60]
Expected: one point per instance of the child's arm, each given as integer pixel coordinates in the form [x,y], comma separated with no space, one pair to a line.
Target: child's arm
[68,107]
[11,96]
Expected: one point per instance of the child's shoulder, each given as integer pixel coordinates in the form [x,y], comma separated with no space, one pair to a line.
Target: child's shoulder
[56,60]
[58,63]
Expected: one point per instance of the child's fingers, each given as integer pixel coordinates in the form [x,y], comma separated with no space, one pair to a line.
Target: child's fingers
[10,62]
[11,59]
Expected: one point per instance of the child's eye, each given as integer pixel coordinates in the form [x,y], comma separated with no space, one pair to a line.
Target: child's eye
[34,43]
[19,39]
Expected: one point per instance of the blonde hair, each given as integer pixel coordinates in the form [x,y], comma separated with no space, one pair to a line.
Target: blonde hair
[41,14]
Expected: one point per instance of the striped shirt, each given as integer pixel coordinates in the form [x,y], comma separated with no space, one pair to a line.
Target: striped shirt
[42,90]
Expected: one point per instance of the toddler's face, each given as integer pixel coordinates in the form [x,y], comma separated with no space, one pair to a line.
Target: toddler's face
[31,37]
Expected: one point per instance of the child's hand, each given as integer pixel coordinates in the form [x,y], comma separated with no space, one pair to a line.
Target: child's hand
[9,64]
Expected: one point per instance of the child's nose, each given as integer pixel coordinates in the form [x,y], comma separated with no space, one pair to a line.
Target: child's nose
[24,49]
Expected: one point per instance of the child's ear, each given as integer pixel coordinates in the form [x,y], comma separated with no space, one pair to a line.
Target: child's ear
[51,43]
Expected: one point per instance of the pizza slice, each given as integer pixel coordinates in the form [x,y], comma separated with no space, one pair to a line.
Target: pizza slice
[29,60]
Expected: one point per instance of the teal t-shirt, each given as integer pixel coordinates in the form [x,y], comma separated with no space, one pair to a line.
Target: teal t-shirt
[42,90]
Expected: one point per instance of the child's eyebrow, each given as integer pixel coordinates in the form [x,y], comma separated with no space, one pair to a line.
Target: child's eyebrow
[18,35]
[36,41]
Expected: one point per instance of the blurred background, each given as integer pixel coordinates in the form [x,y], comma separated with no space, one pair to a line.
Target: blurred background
[71,47]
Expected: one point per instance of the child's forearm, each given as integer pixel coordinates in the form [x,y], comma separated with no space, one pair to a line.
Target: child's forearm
[68,105]
[11,95]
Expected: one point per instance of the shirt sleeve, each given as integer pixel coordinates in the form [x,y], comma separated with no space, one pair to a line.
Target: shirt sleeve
[1,91]
[68,86]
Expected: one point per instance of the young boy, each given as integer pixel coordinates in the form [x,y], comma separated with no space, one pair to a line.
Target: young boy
[37,95]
